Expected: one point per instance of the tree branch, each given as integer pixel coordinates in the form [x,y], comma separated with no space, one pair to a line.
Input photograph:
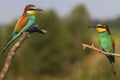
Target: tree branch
[98,50]
[13,50]
[11,55]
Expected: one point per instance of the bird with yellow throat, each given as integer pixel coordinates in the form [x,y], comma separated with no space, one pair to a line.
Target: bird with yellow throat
[107,43]
[24,23]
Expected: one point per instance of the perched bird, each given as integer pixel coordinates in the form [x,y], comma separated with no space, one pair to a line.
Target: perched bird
[24,23]
[107,43]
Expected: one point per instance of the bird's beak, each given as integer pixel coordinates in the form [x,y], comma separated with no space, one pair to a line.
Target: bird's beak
[37,9]
[91,26]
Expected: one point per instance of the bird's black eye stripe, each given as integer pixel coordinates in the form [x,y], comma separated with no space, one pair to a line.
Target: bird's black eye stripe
[101,27]
[31,9]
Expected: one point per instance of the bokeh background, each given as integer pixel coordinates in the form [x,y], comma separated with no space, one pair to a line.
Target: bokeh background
[58,55]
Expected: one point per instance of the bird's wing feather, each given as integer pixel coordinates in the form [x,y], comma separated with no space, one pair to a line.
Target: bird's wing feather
[21,23]
[113,44]
[28,25]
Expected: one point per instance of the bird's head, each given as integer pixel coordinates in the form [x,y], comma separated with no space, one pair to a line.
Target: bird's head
[102,28]
[31,9]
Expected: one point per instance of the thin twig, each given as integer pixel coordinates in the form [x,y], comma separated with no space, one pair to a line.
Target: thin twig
[11,55]
[98,50]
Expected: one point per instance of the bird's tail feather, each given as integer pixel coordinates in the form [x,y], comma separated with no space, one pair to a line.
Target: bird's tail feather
[113,68]
[112,62]
[10,40]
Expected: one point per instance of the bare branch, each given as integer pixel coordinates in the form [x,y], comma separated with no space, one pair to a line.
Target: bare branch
[13,50]
[98,50]
[11,55]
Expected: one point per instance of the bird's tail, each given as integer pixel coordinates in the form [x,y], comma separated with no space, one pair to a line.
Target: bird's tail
[112,62]
[113,68]
[10,40]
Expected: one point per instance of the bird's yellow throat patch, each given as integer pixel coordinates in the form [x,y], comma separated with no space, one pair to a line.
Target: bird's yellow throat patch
[100,30]
[31,12]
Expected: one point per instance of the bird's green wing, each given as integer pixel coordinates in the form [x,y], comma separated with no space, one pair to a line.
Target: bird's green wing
[22,25]
[29,24]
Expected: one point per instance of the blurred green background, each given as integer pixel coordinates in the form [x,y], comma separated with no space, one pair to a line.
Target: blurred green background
[58,55]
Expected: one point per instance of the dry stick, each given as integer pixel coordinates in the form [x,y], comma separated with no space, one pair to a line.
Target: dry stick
[98,50]
[11,54]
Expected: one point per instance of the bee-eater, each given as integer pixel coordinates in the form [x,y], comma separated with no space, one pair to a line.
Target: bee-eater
[24,23]
[107,43]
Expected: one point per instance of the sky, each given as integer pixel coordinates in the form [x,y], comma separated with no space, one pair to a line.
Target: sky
[98,9]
